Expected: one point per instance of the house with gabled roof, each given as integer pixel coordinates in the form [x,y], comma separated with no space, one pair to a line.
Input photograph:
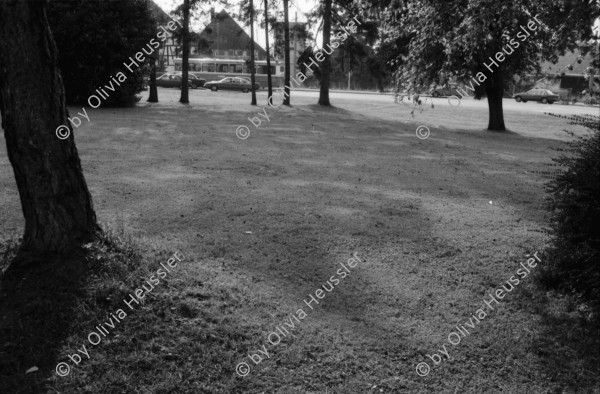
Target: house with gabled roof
[224,38]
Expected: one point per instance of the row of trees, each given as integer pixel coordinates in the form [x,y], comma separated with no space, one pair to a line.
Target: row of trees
[247,13]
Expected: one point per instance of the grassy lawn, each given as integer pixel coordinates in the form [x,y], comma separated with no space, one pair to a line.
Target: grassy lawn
[264,222]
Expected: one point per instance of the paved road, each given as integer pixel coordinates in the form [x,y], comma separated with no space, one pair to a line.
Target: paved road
[507,104]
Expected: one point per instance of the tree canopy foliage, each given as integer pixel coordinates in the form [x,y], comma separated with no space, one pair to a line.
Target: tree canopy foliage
[459,40]
[94,38]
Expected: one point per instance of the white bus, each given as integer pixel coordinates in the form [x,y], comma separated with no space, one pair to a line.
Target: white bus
[216,69]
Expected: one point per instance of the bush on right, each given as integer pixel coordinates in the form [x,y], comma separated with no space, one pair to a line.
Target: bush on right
[573,201]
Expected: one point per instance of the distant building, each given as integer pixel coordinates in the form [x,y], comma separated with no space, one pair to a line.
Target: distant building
[224,38]
[573,69]
[298,35]
[169,49]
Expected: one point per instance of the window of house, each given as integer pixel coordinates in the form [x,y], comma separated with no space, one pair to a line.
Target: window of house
[238,68]
[208,67]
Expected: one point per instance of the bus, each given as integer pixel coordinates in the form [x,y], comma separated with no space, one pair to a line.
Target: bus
[216,69]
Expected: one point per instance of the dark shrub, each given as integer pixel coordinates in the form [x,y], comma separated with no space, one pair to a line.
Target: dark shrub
[574,205]
[94,38]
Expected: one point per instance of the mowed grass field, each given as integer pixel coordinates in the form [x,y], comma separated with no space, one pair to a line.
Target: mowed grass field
[264,222]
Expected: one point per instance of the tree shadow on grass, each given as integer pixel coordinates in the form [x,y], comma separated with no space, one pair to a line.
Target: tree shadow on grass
[36,309]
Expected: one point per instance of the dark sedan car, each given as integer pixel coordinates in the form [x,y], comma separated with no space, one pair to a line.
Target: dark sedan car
[174,81]
[231,83]
[197,81]
[545,96]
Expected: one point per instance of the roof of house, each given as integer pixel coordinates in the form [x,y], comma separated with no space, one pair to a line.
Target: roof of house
[228,25]
[158,12]
[578,64]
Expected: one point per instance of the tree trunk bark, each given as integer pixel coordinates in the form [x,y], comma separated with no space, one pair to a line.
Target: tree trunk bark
[185,98]
[253,68]
[269,80]
[153,98]
[286,30]
[56,202]
[326,65]
[494,91]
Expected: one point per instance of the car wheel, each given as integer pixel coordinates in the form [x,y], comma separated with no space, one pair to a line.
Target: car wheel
[544,101]
[519,99]
[436,94]
[214,88]
[244,90]
[194,86]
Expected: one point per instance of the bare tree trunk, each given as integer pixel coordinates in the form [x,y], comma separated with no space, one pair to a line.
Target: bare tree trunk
[253,68]
[57,204]
[286,30]
[269,81]
[153,90]
[326,65]
[186,53]
[494,91]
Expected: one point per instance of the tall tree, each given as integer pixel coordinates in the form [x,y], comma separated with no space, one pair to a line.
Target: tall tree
[252,66]
[56,202]
[269,80]
[326,65]
[186,53]
[153,98]
[481,43]
[286,30]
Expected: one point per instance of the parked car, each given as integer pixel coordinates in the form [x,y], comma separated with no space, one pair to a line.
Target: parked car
[174,81]
[446,91]
[199,82]
[231,83]
[544,95]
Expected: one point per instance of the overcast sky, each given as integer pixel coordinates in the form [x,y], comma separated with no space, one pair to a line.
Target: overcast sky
[297,8]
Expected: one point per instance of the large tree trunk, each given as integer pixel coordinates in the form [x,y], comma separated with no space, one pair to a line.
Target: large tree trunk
[494,91]
[286,30]
[56,202]
[186,53]
[153,98]
[269,81]
[253,69]
[326,65]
